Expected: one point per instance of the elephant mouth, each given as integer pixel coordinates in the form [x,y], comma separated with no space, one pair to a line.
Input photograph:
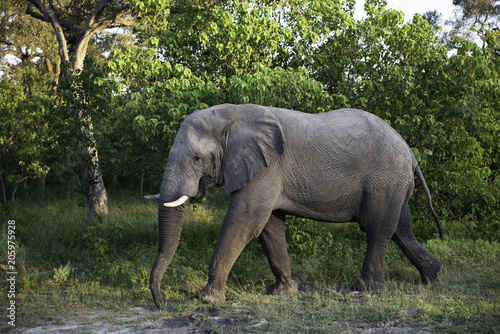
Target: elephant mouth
[205,183]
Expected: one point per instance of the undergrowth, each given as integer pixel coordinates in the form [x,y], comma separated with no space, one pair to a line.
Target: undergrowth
[66,267]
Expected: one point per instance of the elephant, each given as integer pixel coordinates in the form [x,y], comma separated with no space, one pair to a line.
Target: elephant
[341,166]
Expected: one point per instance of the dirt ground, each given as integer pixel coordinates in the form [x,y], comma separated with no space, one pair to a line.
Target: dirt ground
[149,320]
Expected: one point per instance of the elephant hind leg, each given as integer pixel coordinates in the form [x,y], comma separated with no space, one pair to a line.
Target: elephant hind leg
[378,217]
[372,272]
[428,266]
[273,242]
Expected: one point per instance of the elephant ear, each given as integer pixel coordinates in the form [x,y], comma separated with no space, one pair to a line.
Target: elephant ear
[254,140]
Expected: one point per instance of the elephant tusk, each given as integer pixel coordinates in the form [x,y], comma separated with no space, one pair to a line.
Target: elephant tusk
[176,203]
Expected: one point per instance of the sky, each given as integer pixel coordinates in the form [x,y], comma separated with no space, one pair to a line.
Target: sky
[410,7]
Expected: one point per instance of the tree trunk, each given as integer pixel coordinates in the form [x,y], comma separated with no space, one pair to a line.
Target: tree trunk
[95,191]
[41,184]
[69,187]
[97,198]
[13,196]
[93,184]
[141,190]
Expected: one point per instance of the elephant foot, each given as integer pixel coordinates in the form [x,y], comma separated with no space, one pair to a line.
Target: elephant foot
[211,296]
[282,288]
[431,271]
[159,303]
[368,285]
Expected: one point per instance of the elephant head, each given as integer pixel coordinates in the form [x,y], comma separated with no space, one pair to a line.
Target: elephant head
[223,145]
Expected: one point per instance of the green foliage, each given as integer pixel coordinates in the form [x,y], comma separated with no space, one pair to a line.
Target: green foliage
[83,98]
[62,274]
[292,89]
[157,96]
[172,92]
[219,38]
[307,237]
[26,135]
[102,238]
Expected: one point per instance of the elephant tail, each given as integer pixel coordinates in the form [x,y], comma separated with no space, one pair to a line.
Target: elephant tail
[421,181]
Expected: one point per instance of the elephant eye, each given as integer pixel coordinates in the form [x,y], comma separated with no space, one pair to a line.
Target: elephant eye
[197,160]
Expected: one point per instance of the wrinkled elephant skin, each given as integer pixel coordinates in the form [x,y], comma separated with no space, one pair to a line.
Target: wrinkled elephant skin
[342,166]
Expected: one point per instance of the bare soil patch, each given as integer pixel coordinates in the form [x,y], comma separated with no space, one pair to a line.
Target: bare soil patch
[149,320]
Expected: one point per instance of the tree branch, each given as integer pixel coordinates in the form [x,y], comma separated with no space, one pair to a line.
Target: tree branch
[54,9]
[125,22]
[36,15]
[76,176]
[48,16]
[69,26]
[6,42]
[11,52]
[97,11]
[93,25]
[113,18]
[117,18]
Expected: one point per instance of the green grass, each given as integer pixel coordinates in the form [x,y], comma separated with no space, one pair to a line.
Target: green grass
[65,270]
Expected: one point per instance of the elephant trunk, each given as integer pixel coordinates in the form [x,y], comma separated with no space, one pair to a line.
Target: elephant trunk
[169,227]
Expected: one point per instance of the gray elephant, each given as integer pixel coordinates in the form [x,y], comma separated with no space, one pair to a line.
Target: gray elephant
[342,166]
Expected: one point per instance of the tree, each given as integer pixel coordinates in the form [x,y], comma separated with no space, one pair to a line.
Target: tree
[219,38]
[475,18]
[74,24]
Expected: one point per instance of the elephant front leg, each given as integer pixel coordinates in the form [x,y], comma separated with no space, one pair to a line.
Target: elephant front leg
[229,246]
[273,242]
[237,230]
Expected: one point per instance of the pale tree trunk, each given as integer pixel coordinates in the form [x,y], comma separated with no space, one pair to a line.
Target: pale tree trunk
[95,191]
[54,70]
[93,184]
